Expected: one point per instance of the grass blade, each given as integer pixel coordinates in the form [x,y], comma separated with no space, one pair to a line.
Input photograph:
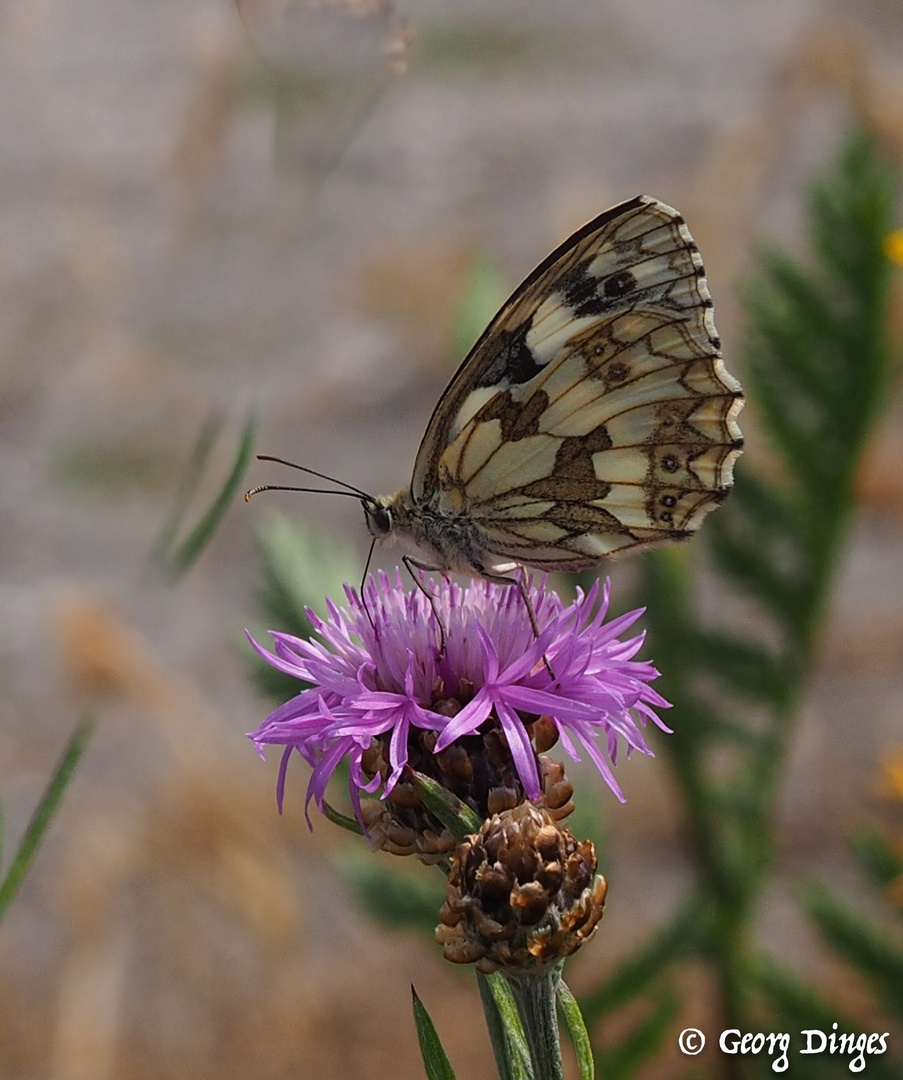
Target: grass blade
[44,813]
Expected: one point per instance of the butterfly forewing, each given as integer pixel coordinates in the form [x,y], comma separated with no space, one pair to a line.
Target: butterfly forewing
[595,413]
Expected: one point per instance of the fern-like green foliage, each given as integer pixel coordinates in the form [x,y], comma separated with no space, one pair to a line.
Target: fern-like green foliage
[875,952]
[818,369]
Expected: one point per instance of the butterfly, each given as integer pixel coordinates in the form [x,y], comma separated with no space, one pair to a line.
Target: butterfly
[594,416]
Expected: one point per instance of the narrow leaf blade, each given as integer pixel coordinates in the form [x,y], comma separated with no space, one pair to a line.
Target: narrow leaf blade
[577,1028]
[45,812]
[435,1060]
[177,562]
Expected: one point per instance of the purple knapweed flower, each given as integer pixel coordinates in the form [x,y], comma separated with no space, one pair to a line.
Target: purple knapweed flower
[379,672]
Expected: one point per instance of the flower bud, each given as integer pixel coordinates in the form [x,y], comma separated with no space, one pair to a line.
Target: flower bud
[521,894]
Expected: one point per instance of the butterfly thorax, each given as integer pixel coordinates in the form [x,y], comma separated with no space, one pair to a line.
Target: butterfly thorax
[437,538]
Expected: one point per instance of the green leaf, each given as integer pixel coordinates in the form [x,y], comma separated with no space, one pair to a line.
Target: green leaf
[577,1028]
[877,857]
[745,667]
[351,824]
[435,1060]
[194,470]
[872,951]
[496,1029]
[176,560]
[45,812]
[302,567]
[454,814]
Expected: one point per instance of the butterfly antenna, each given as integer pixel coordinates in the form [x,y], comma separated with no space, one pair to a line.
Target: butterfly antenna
[344,488]
[285,487]
[320,476]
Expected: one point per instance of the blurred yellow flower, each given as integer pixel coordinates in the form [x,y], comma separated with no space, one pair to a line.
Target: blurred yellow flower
[891,786]
[892,770]
[893,246]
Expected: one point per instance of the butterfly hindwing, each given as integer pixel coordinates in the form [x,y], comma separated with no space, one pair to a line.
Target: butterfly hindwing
[594,414]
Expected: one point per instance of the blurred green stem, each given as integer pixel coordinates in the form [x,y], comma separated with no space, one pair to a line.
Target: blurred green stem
[45,812]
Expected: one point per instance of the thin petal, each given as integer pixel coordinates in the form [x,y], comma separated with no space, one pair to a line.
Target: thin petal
[522,753]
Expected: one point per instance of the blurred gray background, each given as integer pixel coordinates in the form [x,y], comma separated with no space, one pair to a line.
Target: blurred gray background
[206,209]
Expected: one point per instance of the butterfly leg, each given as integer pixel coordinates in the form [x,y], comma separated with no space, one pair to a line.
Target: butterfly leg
[364,582]
[497,579]
[503,579]
[410,565]
[518,580]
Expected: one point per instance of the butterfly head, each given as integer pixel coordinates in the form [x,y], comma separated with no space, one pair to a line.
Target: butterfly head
[378,515]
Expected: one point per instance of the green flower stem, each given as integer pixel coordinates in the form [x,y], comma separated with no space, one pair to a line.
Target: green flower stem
[536,997]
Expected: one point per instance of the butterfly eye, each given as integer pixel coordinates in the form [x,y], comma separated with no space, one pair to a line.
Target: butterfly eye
[379,518]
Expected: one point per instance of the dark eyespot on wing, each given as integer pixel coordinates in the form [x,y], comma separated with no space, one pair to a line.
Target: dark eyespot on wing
[580,290]
[585,294]
[619,284]
[578,286]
